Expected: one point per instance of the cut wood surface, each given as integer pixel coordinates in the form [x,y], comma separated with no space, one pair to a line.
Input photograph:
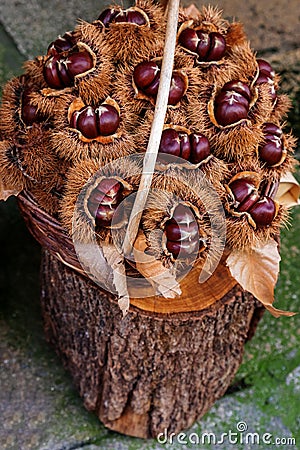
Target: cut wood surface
[146,372]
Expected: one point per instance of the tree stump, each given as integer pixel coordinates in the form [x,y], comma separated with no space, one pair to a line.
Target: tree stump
[148,372]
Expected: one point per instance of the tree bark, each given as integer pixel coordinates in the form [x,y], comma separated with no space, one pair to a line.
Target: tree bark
[147,372]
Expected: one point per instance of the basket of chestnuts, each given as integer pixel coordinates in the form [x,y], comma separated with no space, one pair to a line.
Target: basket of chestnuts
[149,302]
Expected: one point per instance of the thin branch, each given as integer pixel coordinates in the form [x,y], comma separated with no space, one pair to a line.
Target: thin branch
[156,129]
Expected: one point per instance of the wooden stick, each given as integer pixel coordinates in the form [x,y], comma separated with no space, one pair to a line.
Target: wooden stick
[156,129]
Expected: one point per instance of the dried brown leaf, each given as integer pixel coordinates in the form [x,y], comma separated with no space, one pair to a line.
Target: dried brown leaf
[288,191]
[161,278]
[116,261]
[6,192]
[256,270]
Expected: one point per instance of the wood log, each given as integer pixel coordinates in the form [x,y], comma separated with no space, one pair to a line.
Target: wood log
[149,372]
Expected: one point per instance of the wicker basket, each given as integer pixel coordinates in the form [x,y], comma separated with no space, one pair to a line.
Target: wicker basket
[156,370]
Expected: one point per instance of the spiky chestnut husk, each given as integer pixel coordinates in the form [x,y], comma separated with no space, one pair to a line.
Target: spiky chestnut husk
[245,134]
[128,43]
[17,110]
[31,162]
[100,123]
[145,82]
[11,173]
[249,195]
[91,80]
[287,162]
[204,42]
[210,19]
[156,223]
[191,189]
[33,71]
[69,143]
[82,180]
[137,104]
[49,192]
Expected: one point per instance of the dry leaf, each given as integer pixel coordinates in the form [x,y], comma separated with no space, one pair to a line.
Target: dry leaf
[116,261]
[288,191]
[192,11]
[162,280]
[256,270]
[6,192]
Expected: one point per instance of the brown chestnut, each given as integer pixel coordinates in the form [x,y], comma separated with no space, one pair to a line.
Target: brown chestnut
[60,69]
[62,43]
[271,128]
[135,17]
[170,142]
[217,47]
[145,73]
[104,200]
[108,119]
[79,62]
[238,86]
[241,189]
[203,45]
[185,145]
[177,89]
[263,211]
[189,39]
[50,72]
[271,151]
[200,148]
[230,110]
[265,68]
[108,15]
[86,122]
[29,112]
[232,103]
[182,232]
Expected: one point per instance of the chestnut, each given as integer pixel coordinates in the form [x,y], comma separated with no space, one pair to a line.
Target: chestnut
[86,122]
[185,145]
[272,150]
[181,232]
[170,142]
[208,46]
[266,75]
[232,103]
[102,121]
[104,200]
[189,39]
[203,45]
[271,128]
[177,89]
[145,73]
[238,86]
[60,69]
[241,189]
[62,43]
[50,72]
[248,202]
[263,211]
[29,113]
[108,119]
[200,148]
[79,62]
[265,68]
[217,47]
[108,15]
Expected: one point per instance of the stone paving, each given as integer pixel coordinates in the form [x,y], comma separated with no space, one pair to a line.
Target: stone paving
[39,407]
